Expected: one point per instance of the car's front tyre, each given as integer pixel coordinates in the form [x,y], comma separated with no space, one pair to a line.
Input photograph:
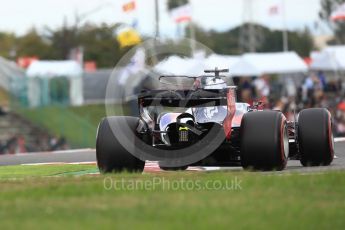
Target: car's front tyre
[315,138]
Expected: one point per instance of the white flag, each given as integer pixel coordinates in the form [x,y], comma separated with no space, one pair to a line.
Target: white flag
[274,10]
[339,13]
[182,14]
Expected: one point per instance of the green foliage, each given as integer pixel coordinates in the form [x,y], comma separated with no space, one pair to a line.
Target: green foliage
[302,42]
[172,4]
[299,41]
[33,44]
[327,7]
[7,44]
[63,40]
[99,43]
[227,42]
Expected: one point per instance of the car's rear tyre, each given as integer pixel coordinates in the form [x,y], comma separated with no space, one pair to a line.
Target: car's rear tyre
[315,138]
[111,155]
[264,141]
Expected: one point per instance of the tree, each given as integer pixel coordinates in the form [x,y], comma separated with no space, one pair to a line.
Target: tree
[299,41]
[172,4]
[327,7]
[63,40]
[227,42]
[32,44]
[100,44]
[7,44]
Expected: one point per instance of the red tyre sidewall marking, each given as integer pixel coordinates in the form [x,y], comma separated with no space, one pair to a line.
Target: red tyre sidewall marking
[282,151]
[330,141]
[231,107]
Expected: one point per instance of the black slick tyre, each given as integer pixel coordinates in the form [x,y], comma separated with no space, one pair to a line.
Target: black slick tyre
[264,141]
[110,153]
[315,138]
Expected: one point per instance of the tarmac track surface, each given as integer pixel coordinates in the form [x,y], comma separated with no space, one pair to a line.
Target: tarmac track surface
[88,156]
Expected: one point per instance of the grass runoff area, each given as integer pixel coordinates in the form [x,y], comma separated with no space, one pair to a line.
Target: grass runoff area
[61,197]
[77,124]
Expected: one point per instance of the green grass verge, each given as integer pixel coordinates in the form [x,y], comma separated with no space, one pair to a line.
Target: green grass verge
[77,124]
[30,172]
[31,199]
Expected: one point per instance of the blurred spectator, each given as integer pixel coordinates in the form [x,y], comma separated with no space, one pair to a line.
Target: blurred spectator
[291,90]
[340,118]
[246,90]
[21,146]
[307,89]
[315,91]
[262,86]
[17,144]
[322,79]
[58,144]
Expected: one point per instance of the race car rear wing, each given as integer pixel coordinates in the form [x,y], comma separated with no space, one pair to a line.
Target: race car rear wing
[185,98]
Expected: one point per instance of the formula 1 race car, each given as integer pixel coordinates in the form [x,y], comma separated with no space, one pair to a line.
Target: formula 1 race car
[205,126]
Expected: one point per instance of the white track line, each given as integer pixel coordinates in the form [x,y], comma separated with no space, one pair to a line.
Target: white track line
[56,152]
[339,139]
[336,140]
[61,163]
[149,166]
